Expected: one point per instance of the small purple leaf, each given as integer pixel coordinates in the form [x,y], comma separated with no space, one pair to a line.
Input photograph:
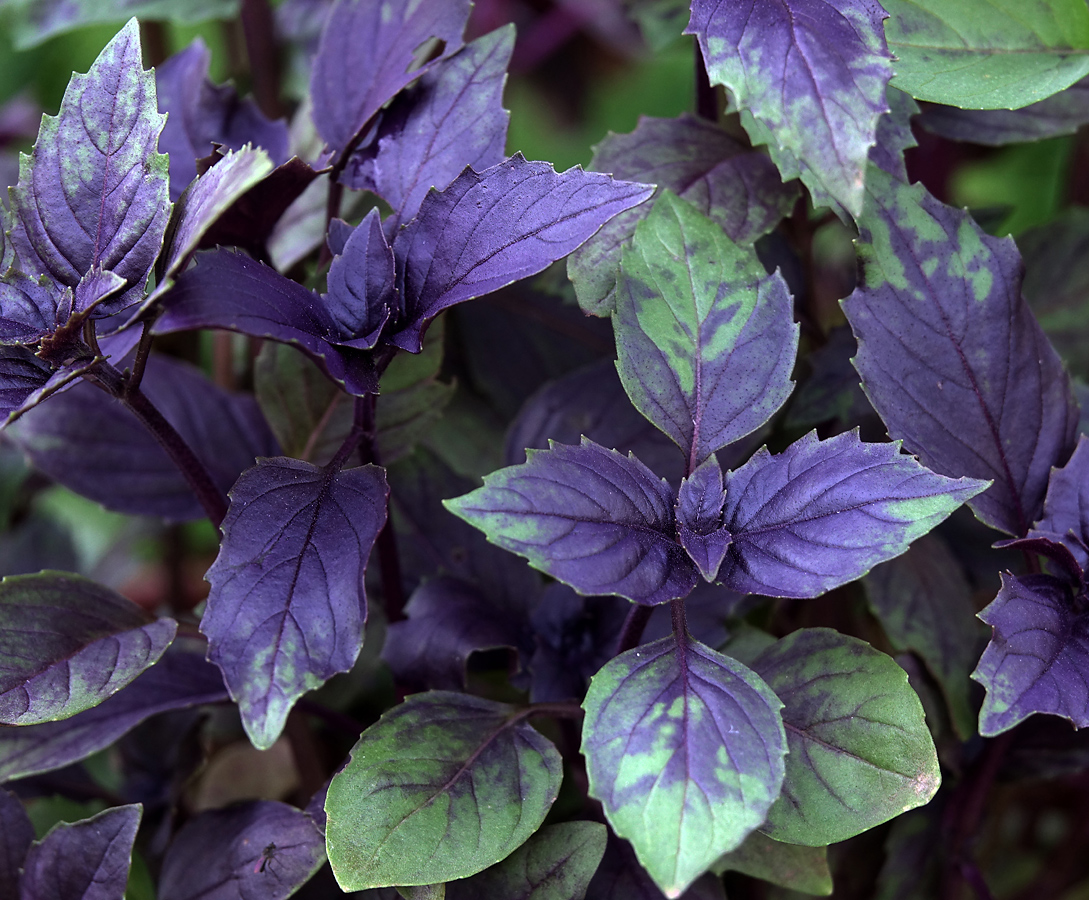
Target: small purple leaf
[810,78]
[368,53]
[894,134]
[823,513]
[287,606]
[705,339]
[451,118]
[94,191]
[361,293]
[254,850]
[16,836]
[1066,506]
[950,355]
[699,518]
[597,521]
[684,748]
[26,380]
[489,229]
[87,860]
[1038,655]
[66,644]
[31,308]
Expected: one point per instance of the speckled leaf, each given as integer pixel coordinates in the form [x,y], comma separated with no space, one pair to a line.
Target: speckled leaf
[811,74]
[556,863]
[441,787]
[87,860]
[684,748]
[489,229]
[704,337]
[451,118]
[823,513]
[596,520]
[860,752]
[733,185]
[699,518]
[361,294]
[368,53]
[16,836]
[253,851]
[950,355]
[1003,56]
[793,866]
[287,606]
[67,643]
[924,602]
[94,191]
[1038,655]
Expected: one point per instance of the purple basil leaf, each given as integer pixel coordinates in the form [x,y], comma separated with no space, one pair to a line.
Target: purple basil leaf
[451,118]
[66,644]
[810,78]
[231,291]
[367,54]
[87,860]
[699,518]
[730,183]
[1038,655]
[89,442]
[823,513]
[950,355]
[180,679]
[1066,507]
[111,208]
[1054,548]
[620,877]
[684,748]
[894,134]
[361,293]
[705,339]
[489,229]
[202,114]
[259,850]
[26,380]
[597,521]
[31,308]
[287,606]
[16,836]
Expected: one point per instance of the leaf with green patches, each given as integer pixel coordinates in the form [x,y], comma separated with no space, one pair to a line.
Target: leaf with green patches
[860,752]
[704,337]
[441,787]
[684,748]
[793,866]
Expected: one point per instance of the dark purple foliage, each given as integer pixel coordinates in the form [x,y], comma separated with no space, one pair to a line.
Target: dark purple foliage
[699,518]
[361,295]
[1066,506]
[16,836]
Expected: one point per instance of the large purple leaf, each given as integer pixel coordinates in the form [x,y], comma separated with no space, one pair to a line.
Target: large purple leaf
[684,748]
[368,53]
[87,860]
[730,183]
[705,339]
[596,520]
[287,607]
[231,291]
[94,190]
[823,513]
[202,114]
[452,118]
[361,293]
[16,836]
[489,229]
[92,444]
[950,355]
[67,643]
[1038,656]
[810,78]
[180,679]
[252,851]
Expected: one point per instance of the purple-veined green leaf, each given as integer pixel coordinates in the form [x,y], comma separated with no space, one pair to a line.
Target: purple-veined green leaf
[731,184]
[87,860]
[620,877]
[704,337]
[16,836]
[793,866]
[489,229]
[368,53]
[809,77]
[823,513]
[860,752]
[684,748]
[699,518]
[67,643]
[950,355]
[441,787]
[597,521]
[1038,655]
[94,192]
[287,606]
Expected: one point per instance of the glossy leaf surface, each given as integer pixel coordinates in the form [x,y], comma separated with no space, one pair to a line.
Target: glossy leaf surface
[684,748]
[443,786]
[16,836]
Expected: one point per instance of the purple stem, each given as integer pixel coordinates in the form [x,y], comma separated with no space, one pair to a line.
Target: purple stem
[632,631]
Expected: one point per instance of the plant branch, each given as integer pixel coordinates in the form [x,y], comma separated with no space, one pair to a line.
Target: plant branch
[264,56]
[632,631]
[139,362]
